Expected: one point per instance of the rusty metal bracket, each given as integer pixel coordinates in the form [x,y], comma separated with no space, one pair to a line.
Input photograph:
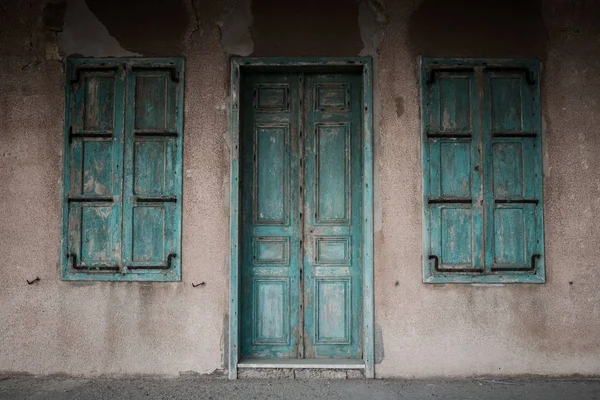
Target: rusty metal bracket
[439,135]
[436,261]
[155,134]
[514,135]
[155,199]
[96,68]
[528,73]
[516,201]
[37,279]
[449,201]
[432,71]
[436,266]
[531,268]
[167,266]
[90,199]
[171,68]
[87,134]
[198,284]
[78,267]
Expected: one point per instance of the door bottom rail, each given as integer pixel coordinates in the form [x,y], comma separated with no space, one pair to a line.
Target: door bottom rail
[317,363]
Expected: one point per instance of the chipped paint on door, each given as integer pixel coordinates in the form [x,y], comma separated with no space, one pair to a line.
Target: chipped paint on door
[270,216]
[301,212]
[332,209]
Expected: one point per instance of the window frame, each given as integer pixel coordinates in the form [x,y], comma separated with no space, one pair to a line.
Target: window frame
[531,68]
[124,67]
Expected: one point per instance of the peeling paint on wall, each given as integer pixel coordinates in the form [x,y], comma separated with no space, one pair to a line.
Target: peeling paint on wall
[399,106]
[371,21]
[235,30]
[379,350]
[371,18]
[53,17]
[85,35]
[160,27]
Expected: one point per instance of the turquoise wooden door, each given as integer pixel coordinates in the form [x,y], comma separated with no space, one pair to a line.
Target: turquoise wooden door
[301,214]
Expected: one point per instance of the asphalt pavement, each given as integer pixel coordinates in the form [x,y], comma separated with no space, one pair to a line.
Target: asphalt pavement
[199,387]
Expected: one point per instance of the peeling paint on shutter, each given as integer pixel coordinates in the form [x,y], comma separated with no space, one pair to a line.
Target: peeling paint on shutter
[152,186]
[481,134]
[123,161]
[513,172]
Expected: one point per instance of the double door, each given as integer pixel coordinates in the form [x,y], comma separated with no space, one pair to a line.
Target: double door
[301,197]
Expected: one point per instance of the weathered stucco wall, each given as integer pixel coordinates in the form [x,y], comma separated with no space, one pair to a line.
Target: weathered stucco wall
[515,329]
[422,330]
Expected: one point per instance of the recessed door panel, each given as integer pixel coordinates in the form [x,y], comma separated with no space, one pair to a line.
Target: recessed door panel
[271,174]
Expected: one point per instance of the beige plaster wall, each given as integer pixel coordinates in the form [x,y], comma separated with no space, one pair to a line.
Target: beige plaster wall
[422,330]
[458,330]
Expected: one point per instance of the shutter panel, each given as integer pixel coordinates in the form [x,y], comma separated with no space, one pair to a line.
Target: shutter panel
[452,172]
[514,231]
[153,157]
[93,169]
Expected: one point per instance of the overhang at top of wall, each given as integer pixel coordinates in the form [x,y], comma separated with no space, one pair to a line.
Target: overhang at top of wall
[478,28]
[306,28]
[298,29]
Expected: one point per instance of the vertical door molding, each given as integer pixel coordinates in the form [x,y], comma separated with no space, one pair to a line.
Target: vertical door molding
[234,200]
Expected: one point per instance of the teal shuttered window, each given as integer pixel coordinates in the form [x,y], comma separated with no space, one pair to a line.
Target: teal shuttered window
[482,171]
[123,170]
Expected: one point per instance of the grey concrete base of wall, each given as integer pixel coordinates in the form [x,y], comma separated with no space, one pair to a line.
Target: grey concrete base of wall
[289,373]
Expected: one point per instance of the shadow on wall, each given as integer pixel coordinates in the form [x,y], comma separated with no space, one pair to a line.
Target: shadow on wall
[151,28]
[478,28]
[306,28]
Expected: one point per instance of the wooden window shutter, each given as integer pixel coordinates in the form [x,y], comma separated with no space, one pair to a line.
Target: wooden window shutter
[513,159]
[123,162]
[153,157]
[482,171]
[453,184]
[93,169]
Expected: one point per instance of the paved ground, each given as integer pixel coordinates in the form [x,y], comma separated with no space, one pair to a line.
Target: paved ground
[220,388]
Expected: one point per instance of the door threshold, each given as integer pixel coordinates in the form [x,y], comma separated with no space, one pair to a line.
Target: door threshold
[317,363]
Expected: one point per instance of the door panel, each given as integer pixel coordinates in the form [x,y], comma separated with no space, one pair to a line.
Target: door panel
[270,217]
[271,174]
[301,211]
[332,206]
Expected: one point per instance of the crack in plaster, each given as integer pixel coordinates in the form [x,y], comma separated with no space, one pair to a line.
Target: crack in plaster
[196,18]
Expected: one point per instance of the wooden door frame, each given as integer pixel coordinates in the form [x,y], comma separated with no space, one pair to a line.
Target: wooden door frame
[365,65]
